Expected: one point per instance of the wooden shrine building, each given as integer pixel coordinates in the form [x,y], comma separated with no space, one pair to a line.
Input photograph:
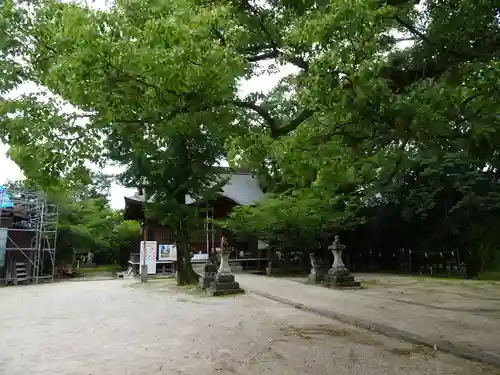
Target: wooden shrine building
[241,189]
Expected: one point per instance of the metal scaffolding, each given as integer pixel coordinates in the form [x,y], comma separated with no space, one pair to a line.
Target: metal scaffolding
[31,225]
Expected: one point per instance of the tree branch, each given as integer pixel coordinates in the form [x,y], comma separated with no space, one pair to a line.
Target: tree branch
[255,48]
[340,129]
[276,130]
[263,56]
[409,39]
[246,5]
[412,29]
[298,61]
[219,35]
[271,43]
[259,110]
[293,124]
[138,79]
[195,63]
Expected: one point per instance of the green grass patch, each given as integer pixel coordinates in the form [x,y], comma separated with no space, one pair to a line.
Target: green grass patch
[288,273]
[490,276]
[369,282]
[169,285]
[471,283]
[414,349]
[445,279]
[454,278]
[189,289]
[311,332]
[108,268]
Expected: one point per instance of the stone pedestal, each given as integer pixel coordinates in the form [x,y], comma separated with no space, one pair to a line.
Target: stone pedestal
[224,283]
[342,281]
[207,275]
[269,270]
[338,275]
[317,273]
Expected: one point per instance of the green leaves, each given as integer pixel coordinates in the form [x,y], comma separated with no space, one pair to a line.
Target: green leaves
[302,218]
[88,224]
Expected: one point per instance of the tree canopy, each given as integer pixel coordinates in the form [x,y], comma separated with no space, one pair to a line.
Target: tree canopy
[390,106]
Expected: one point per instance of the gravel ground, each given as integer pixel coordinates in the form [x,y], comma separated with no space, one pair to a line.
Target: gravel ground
[478,297]
[120,327]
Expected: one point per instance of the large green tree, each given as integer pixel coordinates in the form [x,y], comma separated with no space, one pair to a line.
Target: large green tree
[426,111]
[157,84]
[137,95]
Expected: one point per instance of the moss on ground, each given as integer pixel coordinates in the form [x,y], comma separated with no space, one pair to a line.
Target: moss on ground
[413,349]
[309,333]
[489,275]
[104,269]
[169,285]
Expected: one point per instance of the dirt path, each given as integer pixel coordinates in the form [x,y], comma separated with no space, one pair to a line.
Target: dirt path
[120,327]
[410,315]
[472,296]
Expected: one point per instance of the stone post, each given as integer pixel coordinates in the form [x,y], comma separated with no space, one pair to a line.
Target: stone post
[269,265]
[144,273]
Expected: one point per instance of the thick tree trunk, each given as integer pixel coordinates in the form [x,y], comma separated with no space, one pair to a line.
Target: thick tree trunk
[185,273]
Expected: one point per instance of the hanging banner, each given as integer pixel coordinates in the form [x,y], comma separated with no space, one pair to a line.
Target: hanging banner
[151,247]
[3,245]
[167,252]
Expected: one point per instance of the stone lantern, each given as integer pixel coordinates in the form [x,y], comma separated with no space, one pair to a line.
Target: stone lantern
[338,274]
[224,282]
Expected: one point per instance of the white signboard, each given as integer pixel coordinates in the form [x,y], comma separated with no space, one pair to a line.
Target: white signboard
[151,247]
[261,245]
[199,257]
[167,252]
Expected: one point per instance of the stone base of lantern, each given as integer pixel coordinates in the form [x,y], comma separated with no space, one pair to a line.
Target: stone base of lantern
[317,275]
[341,278]
[224,285]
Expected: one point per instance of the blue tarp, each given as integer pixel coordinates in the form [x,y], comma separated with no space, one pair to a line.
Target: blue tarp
[5,201]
